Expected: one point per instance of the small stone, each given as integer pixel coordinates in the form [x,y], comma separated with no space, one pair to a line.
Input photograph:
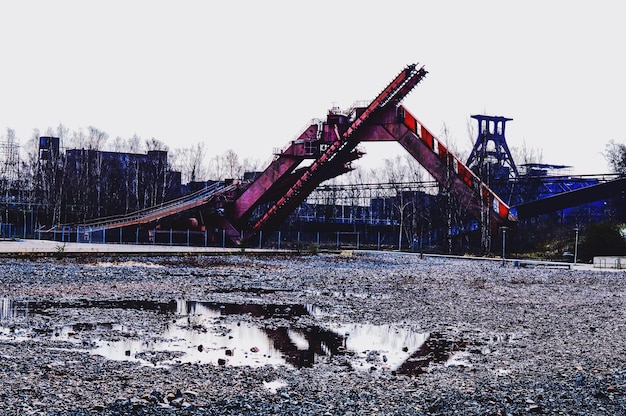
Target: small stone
[192,394]
[580,380]
[178,402]
[138,403]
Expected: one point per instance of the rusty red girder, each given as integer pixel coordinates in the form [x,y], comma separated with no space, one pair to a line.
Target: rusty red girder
[331,145]
[397,89]
[382,120]
[450,171]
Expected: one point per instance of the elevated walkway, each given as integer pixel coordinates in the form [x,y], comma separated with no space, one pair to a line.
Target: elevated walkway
[152,214]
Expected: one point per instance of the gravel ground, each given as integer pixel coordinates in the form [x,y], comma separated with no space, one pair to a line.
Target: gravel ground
[495,340]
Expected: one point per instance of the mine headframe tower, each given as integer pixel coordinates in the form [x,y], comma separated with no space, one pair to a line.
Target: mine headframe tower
[491,158]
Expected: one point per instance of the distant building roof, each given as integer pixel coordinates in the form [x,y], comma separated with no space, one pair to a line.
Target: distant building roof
[545,166]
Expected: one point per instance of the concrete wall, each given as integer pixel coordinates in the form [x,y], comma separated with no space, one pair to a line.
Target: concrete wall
[609,262]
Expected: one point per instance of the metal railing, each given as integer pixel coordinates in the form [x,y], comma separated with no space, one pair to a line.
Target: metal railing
[152,213]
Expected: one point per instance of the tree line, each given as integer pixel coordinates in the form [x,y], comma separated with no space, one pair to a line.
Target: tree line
[79,183]
[82,174]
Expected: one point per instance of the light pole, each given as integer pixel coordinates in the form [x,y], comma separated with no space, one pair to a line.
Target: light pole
[503,242]
[401,209]
[576,246]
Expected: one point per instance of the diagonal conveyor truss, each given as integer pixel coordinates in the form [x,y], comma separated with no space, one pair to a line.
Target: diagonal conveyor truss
[384,119]
[450,171]
[402,84]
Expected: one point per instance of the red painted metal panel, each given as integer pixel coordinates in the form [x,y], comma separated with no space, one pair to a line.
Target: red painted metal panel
[426,137]
[503,211]
[443,153]
[465,174]
[410,122]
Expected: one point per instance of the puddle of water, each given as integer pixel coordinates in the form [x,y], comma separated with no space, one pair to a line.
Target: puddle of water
[436,348]
[198,332]
[384,344]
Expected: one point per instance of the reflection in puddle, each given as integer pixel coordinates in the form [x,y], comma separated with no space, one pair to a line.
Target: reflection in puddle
[10,310]
[382,343]
[198,332]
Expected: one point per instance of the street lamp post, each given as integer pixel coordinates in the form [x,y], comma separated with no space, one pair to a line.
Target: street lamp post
[503,243]
[576,246]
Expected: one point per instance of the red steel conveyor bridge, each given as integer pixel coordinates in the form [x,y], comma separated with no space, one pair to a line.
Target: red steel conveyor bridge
[331,145]
[246,209]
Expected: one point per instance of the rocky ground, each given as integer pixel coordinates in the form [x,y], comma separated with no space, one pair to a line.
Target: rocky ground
[496,340]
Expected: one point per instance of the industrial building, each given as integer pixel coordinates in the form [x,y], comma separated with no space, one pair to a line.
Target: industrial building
[89,195]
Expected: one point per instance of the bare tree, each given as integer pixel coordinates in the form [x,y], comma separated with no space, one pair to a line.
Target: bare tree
[615,155]
[62,132]
[470,127]
[134,144]
[216,168]
[396,173]
[394,170]
[118,144]
[252,165]
[231,162]
[96,140]
[190,162]
[452,207]
[77,140]
[197,169]
[155,144]
[526,155]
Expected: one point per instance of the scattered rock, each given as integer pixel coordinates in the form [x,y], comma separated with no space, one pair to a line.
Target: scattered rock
[523,337]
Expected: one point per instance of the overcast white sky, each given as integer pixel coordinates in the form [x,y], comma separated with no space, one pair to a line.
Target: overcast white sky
[249,75]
